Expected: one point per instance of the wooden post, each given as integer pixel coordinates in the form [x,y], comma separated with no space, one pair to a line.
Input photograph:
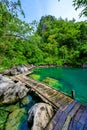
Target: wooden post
[73,94]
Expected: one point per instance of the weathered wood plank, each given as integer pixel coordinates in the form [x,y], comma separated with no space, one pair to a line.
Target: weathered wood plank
[85,126]
[79,113]
[72,125]
[54,121]
[75,125]
[58,98]
[79,126]
[83,117]
[61,121]
[70,107]
[70,116]
[53,95]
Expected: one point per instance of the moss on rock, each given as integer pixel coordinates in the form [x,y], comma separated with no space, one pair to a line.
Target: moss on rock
[3,118]
[26,100]
[14,119]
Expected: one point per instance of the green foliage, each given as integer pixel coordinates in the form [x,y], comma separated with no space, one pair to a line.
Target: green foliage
[14,7]
[81,4]
[51,41]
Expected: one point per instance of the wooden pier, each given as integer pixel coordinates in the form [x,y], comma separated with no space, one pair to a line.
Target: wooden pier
[70,114]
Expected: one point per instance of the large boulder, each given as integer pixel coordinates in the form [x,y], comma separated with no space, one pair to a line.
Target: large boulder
[10,91]
[18,69]
[40,115]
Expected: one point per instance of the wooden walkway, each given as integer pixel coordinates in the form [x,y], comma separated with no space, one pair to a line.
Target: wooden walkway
[73,118]
[70,114]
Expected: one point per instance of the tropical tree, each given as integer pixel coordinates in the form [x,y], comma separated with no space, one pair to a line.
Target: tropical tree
[81,4]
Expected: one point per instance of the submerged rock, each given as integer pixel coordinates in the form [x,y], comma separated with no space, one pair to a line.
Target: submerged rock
[14,119]
[52,82]
[26,100]
[40,115]
[3,118]
[35,76]
[14,116]
[10,91]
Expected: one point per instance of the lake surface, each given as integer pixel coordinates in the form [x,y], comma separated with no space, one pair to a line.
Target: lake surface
[69,78]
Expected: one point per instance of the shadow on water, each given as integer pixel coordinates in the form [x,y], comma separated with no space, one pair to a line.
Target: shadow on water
[24,123]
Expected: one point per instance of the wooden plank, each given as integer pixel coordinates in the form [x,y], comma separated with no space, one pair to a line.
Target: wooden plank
[49,92]
[61,121]
[70,116]
[72,125]
[79,126]
[62,101]
[85,126]
[79,113]
[58,98]
[75,125]
[66,103]
[64,116]
[54,121]
[83,117]
[53,95]
[70,107]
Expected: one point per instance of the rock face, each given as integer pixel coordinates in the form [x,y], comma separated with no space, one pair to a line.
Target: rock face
[39,115]
[18,69]
[10,91]
[15,70]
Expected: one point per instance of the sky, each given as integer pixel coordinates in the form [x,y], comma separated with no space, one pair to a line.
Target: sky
[34,9]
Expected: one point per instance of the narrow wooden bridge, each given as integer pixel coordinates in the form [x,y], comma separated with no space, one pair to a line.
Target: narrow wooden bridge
[70,114]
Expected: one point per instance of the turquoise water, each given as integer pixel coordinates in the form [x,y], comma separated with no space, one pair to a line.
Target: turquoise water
[70,78]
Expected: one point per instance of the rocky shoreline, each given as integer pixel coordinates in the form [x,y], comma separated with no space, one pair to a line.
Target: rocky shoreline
[11,93]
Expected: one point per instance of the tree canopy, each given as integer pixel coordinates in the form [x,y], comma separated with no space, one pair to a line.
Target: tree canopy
[51,41]
[80,4]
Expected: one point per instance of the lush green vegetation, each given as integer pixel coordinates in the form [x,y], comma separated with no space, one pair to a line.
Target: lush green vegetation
[51,41]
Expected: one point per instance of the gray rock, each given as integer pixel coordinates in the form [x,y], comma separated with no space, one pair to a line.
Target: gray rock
[40,115]
[14,71]
[18,69]
[1,78]
[6,72]
[22,69]
[10,91]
